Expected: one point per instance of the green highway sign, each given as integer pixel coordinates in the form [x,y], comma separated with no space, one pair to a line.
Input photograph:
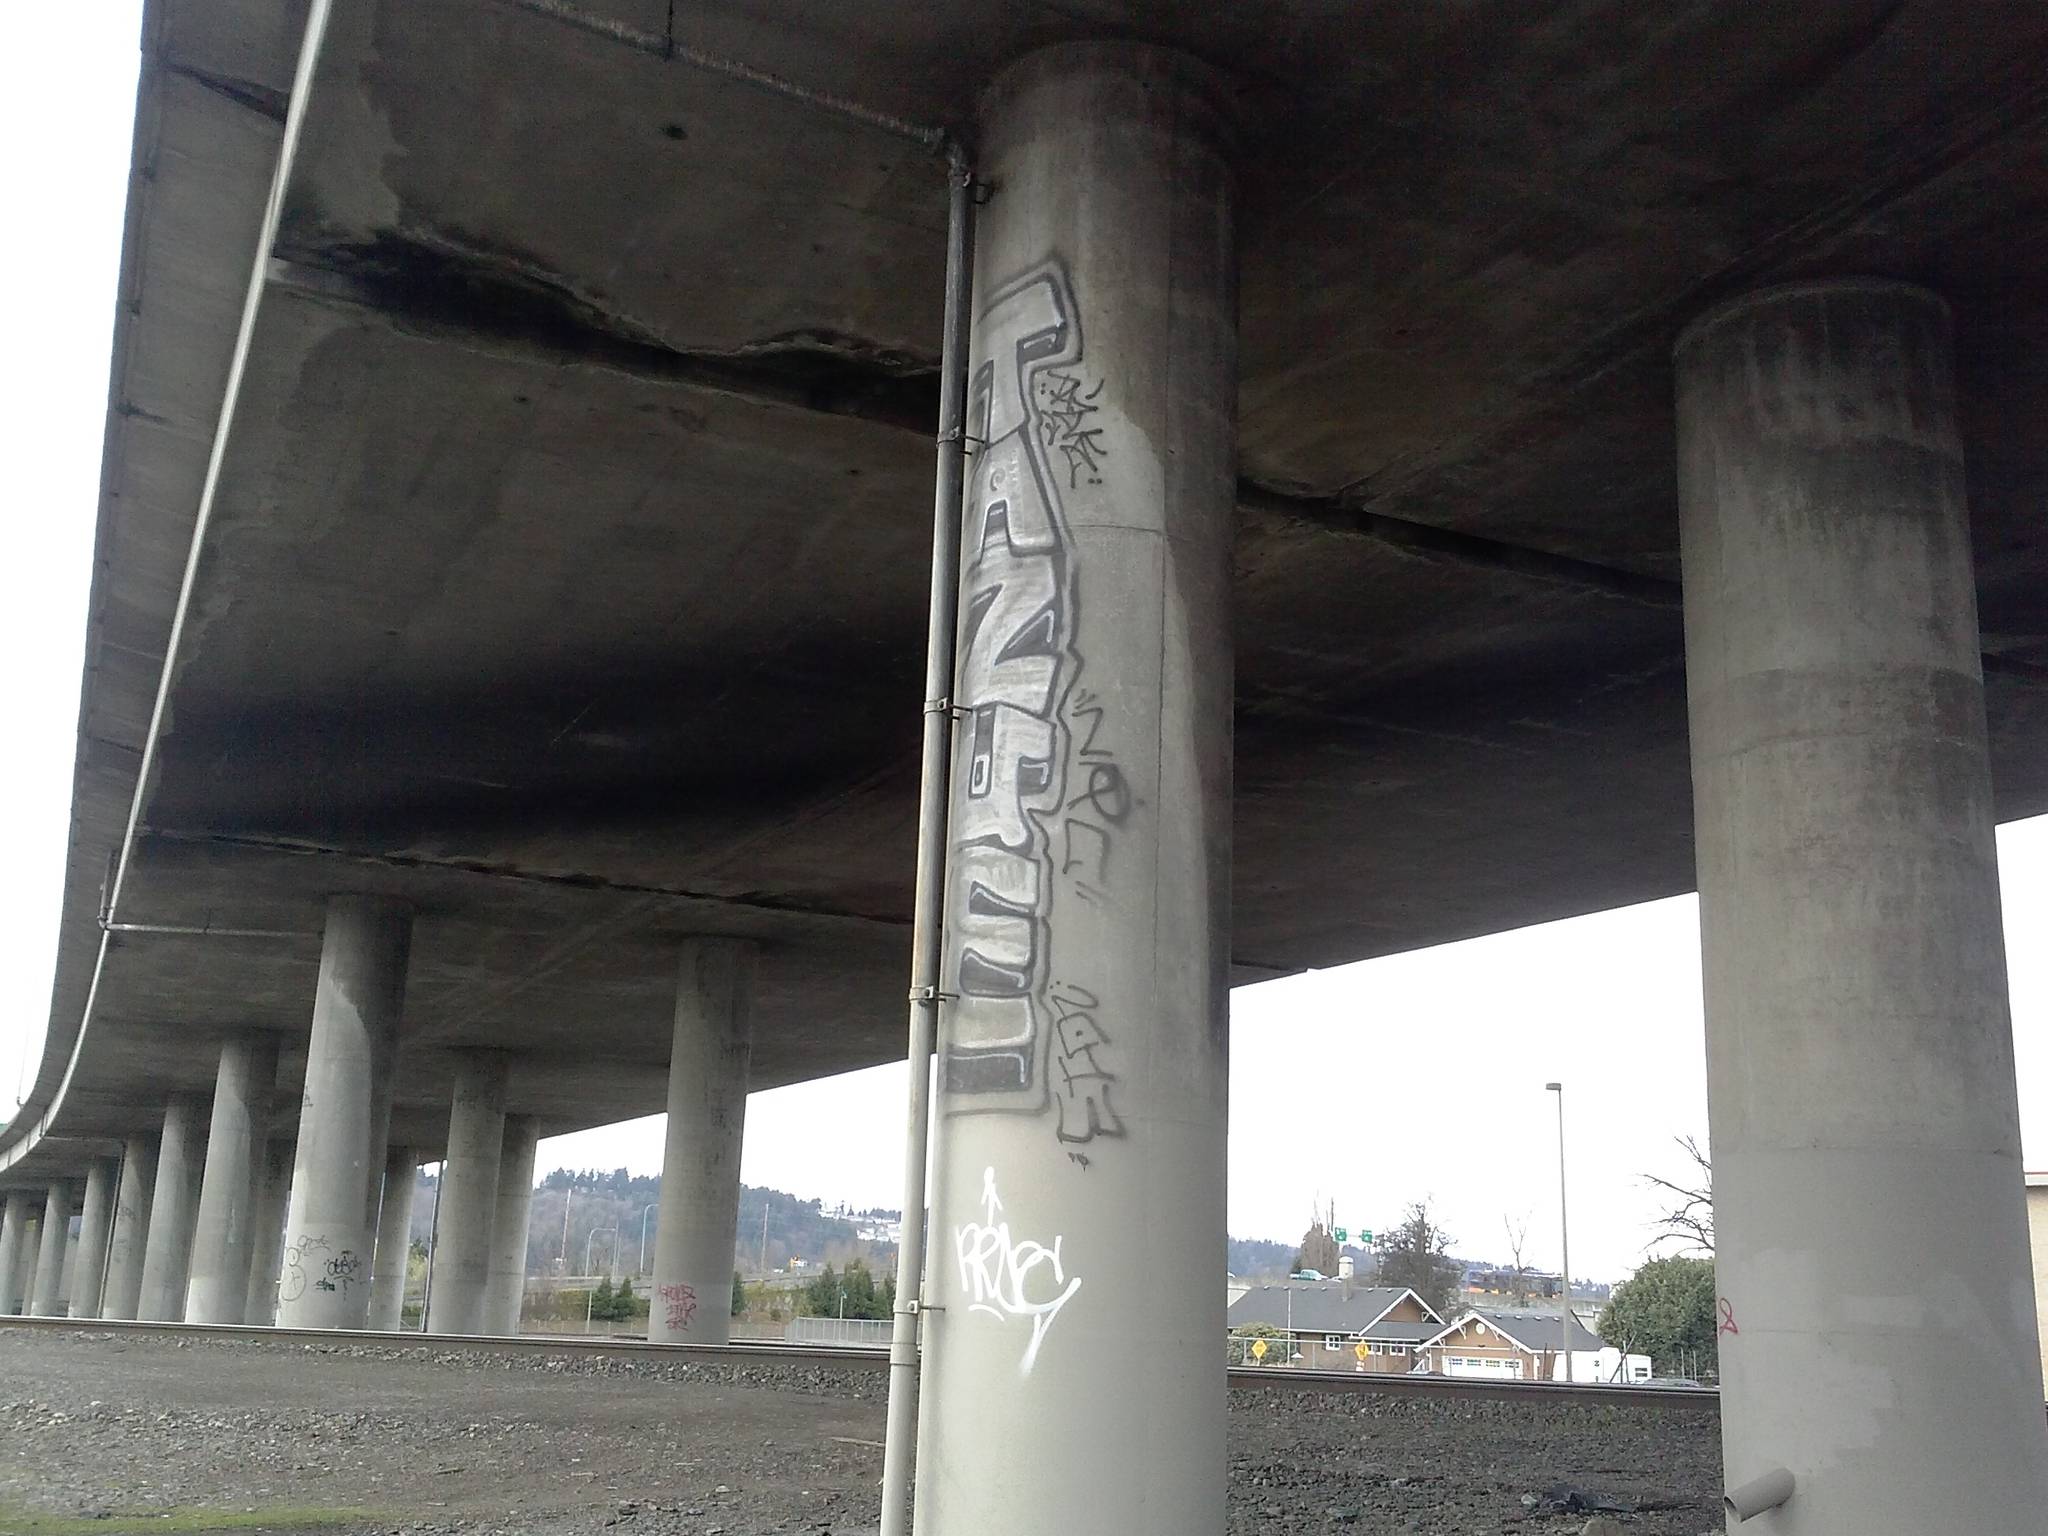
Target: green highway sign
[1342,1235]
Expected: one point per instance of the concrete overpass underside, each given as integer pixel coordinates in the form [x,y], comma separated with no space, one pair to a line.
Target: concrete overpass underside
[503,714]
[567,562]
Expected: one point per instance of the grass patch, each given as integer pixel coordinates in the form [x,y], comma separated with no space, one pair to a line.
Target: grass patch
[180,1522]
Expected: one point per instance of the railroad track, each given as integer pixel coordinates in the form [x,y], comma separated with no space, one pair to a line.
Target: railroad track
[1266,1378]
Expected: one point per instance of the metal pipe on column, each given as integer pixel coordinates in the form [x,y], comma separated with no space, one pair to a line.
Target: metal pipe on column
[928,921]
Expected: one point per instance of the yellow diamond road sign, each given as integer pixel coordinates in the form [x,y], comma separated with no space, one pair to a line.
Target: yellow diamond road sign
[1258,1349]
[1360,1350]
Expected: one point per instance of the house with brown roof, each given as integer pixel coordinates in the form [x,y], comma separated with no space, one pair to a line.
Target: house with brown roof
[1526,1346]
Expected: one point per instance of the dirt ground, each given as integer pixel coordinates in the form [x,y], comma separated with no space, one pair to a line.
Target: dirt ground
[105,1435]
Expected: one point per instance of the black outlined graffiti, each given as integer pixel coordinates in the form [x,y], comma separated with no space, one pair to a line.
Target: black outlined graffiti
[1017,612]
[1063,408]
[1039,799]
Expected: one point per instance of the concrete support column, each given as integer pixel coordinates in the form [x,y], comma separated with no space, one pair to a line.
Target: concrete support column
[173,1208]
[394,1239]
[95,1226]
[330,1230]
[266,1243]
[469,1195]
[1070,1382]
[505,1290]
[49,1282]
[15,1218]
[1860,1065]
[700,1163]
[224,1236]
[129,1240]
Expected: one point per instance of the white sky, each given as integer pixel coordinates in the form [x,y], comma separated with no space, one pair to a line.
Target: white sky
[1333,1083]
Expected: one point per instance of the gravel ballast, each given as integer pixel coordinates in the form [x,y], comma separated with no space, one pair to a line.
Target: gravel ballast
[115,1429]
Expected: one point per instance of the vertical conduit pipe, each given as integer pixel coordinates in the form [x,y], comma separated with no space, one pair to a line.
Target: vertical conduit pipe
[928,922]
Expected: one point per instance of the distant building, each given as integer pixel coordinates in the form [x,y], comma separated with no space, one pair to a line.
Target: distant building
[1526,1346]
[1325,1322]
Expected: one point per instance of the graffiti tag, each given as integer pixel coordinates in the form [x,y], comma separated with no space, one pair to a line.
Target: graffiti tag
[1010,1278]
[679,1305]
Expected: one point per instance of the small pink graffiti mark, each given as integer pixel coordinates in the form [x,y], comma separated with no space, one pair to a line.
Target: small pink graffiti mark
[680,1304]
[1727,1319]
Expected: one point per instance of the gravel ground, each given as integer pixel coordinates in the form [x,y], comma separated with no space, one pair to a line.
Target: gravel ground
[105,1433]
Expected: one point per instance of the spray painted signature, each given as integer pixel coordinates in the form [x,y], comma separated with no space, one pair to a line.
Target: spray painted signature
[998,1272]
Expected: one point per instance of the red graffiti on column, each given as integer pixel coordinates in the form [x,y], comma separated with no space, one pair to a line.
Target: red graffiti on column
[680,1304]
[1727,1318]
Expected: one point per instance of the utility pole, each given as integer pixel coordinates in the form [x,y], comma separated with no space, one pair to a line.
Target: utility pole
[567,1200]
[764,1234]
[1564,1233]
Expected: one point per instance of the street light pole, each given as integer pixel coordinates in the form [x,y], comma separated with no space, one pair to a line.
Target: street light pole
[1564,1232]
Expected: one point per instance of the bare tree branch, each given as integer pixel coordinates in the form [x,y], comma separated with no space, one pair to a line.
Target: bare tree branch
[1689,1223]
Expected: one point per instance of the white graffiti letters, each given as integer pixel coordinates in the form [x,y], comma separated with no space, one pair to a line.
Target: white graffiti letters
[1009,1278]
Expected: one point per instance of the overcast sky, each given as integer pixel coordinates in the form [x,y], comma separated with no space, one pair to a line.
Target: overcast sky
[1342,1081]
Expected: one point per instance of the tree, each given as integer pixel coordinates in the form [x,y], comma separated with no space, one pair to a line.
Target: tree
[1318,1250]
[625,1306]
[1279,1347]
[601,1299]
[1518,1239]
[1690,1223]
[821,1296]
[1666,1310]
[739,1295]
[1416,1254]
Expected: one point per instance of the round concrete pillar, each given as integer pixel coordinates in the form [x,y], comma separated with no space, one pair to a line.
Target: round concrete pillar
[337,1172]
[16,1218]
[129,1239]
[394,1239]
[469,1195]
[1860,1065]
[173,1208]
[709,1059]
[266,1243]
[45,1297]
[95,1226]
[1070,1382]
[224,1235]
[505,1291]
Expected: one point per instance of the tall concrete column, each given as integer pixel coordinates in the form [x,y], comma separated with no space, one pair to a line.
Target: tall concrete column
[49,1281]
[129,1240]
[95,1226]
[1070,1383]
[700,1163]
[505,1290]
[461,1263]
[394,1239]
[225,1233]
[337,1173]
[266,1244]
[15,1219]
[173,1209]
[1860,1066]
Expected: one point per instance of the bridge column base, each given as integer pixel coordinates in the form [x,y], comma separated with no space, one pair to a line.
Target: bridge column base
[505,1289]
[1876,1317]
[330,1228]
[95,1226]
[266,1244]
[1069,1378]
[224,1234]
[709,1064]
[394,1238]
[173,1210]
[46,1296]
[469,1195]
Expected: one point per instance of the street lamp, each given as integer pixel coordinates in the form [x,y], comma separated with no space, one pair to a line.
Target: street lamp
[1564,1232]
[644,1211]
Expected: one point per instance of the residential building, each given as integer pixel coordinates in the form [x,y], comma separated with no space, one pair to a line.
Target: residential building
[1525,1346]
[1326,1322]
